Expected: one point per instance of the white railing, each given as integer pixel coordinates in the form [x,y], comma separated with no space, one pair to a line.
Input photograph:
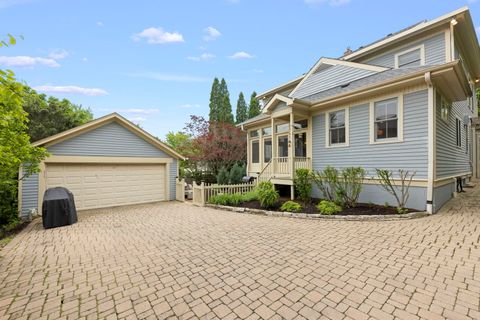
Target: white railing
[302,163]
[180,190]
[281,167]
[203,192]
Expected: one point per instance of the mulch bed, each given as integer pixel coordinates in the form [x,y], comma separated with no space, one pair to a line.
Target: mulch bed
[11,232]
[365,209]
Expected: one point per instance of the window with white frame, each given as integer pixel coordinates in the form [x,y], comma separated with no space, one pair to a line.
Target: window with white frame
[444,106]
[256,151]
[458,132]
[410,58]
[386,119]
[337,127]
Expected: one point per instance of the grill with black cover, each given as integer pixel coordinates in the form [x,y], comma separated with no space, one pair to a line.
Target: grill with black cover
[58,208]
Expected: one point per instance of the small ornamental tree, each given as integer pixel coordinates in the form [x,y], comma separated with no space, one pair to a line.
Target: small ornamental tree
[400,191]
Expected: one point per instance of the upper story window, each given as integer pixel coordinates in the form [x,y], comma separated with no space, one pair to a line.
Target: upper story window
[254,133]
[413,57]
[386,119]
[337,127]
[267,131]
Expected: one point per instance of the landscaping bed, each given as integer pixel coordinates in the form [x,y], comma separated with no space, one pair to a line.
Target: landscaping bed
[7,232]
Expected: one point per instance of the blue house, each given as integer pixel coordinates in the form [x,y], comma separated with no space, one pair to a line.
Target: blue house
[406,101]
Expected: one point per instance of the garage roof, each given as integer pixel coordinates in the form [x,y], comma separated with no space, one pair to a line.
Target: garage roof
[113,117]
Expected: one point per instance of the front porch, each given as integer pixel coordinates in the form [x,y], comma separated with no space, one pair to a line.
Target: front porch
[281,170]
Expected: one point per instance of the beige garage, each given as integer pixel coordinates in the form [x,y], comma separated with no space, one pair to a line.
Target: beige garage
[107,162]
[104,185]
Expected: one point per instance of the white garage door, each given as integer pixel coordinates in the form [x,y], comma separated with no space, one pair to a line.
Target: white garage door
[106,185]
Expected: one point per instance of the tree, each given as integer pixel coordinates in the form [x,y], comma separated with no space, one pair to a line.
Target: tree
[50,116]
[15,146]
[214,100]
[177,140]
[225,111]
[254,108]
[241,112]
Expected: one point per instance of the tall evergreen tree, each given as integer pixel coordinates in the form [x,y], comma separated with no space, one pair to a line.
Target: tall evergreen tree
[242,110]
[215,101]
[225,114]
[254,108]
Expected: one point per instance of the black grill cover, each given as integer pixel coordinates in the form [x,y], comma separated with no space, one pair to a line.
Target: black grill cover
[58,208]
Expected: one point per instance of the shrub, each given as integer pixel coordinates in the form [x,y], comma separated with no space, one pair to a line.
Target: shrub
[350,186]
[250,196]
[303,184]
[327,182]
[236,174]
[400,192]
[222,176]
[328,207]
[226,199]
[291,206]
[267,195]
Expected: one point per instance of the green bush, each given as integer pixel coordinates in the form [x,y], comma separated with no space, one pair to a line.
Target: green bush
[350,186]
[303,184]
[222,176]
[236,174]
[327,182]
[227,199]
[250,196]
[328,207]
[291,206]
[267,195]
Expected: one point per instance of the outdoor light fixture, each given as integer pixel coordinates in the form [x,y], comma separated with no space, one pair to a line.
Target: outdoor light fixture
[453,22]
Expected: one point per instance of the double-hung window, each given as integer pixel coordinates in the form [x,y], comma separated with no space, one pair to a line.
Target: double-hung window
[410,58]
[386,120]
[337,127]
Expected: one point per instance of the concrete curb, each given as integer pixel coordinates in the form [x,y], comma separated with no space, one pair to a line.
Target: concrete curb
[407,216]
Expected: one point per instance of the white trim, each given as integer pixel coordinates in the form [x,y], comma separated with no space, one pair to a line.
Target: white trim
[96,159]
[347,128]
[448,47]
[422,54]
[277,97]
[285,85]
[399,137]
[431,142]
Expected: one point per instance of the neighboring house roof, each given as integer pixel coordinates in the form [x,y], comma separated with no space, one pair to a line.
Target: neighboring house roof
[113,117]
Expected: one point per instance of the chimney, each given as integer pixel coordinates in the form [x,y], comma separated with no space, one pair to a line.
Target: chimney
[347,51]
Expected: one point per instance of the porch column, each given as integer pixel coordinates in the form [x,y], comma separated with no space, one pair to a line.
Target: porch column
[274,147]
[291,151]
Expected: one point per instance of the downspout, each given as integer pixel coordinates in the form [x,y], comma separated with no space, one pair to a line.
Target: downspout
[431,142]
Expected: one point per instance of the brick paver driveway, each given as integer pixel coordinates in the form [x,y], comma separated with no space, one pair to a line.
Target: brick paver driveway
[175,260]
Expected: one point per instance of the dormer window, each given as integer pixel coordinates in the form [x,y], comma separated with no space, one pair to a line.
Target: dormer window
[412,57]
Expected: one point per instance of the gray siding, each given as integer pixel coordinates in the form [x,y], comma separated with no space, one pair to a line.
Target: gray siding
[410,154]
[442,194]
[29,194]
[329,78]
[452,160]
[173,179]
[434,52]
[280,106]
[110,140]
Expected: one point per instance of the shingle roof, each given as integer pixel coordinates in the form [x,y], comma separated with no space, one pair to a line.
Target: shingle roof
[261,116]
[363,82]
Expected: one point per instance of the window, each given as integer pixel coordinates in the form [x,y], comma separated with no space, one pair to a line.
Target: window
[282,146]
[267,131]
[336,127]
[299,125]
[386,119]
[267,150]
[255,152]
[282,127]
[444,107]
[301,144]
[458,131]
[410,58]
[254,133]
[466,139]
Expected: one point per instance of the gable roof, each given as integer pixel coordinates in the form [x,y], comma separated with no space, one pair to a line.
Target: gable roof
[280,87]
[113,117]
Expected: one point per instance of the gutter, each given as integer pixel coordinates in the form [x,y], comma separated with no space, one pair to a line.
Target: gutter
[430,141]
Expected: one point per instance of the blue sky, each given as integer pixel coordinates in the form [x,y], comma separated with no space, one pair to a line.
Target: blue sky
[154,61]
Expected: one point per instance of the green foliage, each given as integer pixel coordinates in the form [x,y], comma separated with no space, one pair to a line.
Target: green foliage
[327,182]
[237,172]
[215,100]
[254,107]
[267,195]
[220,106]
[350,185]
[223,176]
[177,140]
[227,199]
[250,196]
[49,116]
[303,184]
[242,109]
[291,206]
[15,147]
[328,207]
[400,191]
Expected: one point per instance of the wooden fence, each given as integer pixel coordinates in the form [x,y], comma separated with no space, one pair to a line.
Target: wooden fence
[203,192]
[180,190]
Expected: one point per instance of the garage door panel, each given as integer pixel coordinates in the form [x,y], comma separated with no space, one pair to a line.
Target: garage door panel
[96,186]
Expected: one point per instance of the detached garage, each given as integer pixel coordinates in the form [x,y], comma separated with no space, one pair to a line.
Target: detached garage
[107,162]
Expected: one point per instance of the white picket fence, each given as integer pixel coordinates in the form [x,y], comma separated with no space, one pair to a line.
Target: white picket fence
[203,192]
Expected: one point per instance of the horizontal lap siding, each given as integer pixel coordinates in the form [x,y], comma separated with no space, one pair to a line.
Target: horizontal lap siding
[434,52]
[452,160]
[29,194]
[442,194]
[110,140]
[329,78]
[410,154]
[173,179]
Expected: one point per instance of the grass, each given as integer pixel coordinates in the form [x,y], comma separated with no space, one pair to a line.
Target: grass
[5,241]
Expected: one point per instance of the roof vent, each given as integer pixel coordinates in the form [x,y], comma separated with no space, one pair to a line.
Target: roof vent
[344,85]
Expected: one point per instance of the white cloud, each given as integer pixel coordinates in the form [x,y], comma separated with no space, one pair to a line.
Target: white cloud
[71,90]
[211,34]
[99,24]
[188,106]
[58,54]
[137,119]
[140,111]
[333,3]
[11,3]
[202,57]
[27,61]
[160,76]
[241,55]
[158,36]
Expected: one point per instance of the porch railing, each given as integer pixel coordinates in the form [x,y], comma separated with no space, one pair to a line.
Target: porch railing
[281,167]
